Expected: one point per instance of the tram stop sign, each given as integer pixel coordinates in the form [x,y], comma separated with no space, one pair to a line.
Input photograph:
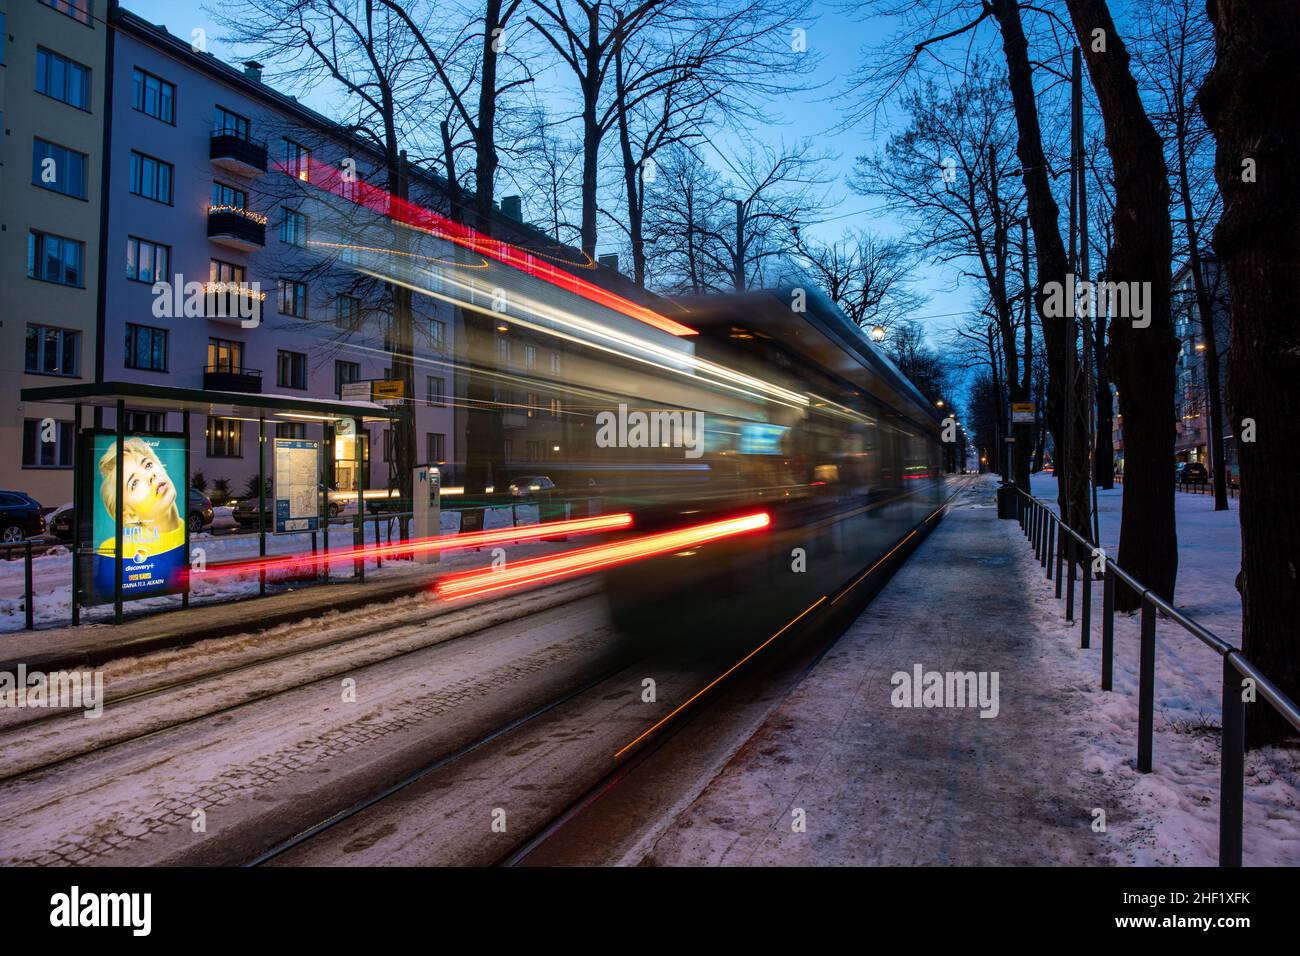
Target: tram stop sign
[1022,413]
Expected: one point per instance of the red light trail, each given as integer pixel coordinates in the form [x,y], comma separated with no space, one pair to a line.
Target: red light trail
[586,560]
[474,539]
[353,189]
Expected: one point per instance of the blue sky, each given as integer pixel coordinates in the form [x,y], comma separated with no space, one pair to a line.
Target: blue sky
[837,37]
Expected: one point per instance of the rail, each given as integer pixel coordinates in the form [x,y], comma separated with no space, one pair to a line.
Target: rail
[1056,542]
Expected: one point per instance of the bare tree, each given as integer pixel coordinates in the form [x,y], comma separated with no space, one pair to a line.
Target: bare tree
[1251,101]
[951,172]
[1173,58]
[866,276]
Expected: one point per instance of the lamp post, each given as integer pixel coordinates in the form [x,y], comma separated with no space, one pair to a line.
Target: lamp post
[878,333]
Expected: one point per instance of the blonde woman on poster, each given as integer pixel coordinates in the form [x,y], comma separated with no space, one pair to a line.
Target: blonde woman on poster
[153,531]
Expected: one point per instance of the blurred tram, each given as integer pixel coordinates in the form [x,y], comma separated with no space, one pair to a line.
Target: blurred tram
[839,448]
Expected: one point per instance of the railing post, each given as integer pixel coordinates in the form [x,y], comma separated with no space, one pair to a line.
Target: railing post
[1059,557]
[1107,627]
[27,586]
[1070,574]
[1085,604]
[1146,686]
[1038,530]
[1051,544]
[1232,766]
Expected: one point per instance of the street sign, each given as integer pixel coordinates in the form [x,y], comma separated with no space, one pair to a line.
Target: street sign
[355,392]
[387,391]
[1022,413]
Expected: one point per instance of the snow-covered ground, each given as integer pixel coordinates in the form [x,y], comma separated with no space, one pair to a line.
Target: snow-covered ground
[1171,815]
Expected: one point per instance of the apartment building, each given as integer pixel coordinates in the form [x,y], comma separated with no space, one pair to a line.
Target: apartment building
[53,87]
[207,190]
[1194,383]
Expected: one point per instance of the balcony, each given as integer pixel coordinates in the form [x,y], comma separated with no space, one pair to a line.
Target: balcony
[238,155]
[221,379]
[234,303]
[237,228]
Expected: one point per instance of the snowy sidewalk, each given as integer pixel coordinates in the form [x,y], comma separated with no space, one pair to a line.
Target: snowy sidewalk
[876,783]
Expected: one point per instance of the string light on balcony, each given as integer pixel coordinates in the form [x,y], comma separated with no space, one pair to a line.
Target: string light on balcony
[248,214]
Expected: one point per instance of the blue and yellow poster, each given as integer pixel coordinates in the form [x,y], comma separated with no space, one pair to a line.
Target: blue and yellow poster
[154,561]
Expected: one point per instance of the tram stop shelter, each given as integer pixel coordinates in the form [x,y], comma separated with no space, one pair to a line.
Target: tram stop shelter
[92,574]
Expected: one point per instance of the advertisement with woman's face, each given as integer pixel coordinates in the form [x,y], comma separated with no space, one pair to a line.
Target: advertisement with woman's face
[153,561]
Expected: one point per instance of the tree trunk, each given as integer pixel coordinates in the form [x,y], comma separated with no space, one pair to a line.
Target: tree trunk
[1072,493]
[1142,358]
[1251,101]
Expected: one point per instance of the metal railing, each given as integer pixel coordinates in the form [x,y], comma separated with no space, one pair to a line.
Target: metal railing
[1055,542]
[1196,487]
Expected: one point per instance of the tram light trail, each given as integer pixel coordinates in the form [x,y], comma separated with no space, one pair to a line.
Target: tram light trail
[325,177]
[460,542]
[586,560]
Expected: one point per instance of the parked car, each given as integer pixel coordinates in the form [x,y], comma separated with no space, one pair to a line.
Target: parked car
[198,515]
[1191,471]
[20,517]
[341,503]
[529,486]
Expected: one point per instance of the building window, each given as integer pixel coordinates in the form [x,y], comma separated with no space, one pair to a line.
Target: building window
[52,351]
[59,169]
[151,178]
[227,123]
[290,429]
[46,454]
[508,449]
[390,447]
[293,298]
[219,271]
[62,79]
[531,401]
[146,348]
[55,258]
[291,369]
[555,408]
[344,373]
[435,390]
[297,160]
[503,350]
[347,312]
[147,261]
[225,355]
[228,196]
[293,228]
[152,96]
[146,421]
[224,438]
[435,447]
[555,363]
[533,451]
[79,10]
[437,333]
[530,356]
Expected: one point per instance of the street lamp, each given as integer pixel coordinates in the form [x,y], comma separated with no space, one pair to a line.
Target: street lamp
[939,403]
[878,333]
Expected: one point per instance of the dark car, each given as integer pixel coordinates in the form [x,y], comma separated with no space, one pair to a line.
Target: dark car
[1191,471]
[20,517]
[531,486]
[198,515]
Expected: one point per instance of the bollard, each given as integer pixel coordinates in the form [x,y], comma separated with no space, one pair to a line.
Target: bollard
[1232,766]
[1146,686]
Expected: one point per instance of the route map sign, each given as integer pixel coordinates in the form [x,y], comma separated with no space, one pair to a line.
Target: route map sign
[297,497]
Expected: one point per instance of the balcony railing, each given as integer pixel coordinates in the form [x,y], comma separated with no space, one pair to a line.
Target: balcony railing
[237,154]
[237,228]
[238,303]
[223,379]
